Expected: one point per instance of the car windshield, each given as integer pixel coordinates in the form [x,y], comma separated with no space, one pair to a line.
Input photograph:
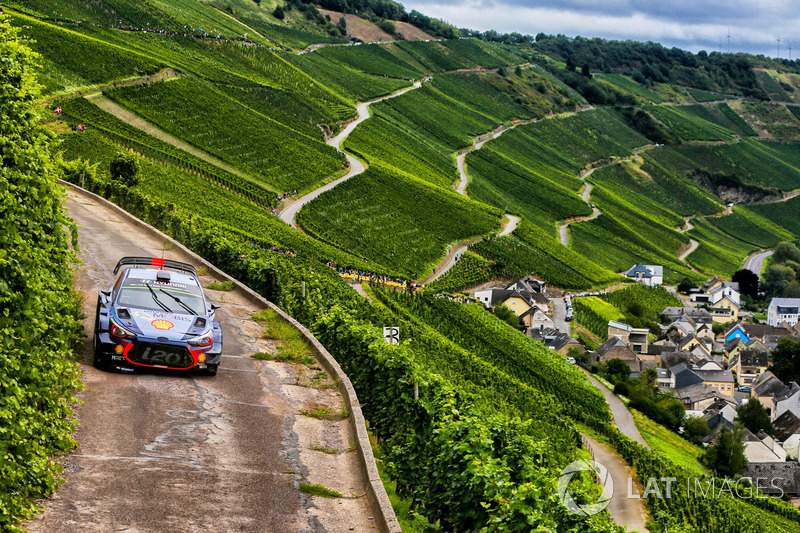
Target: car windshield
[137,294]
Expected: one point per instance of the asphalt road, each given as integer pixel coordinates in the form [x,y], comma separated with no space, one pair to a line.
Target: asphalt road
[622,417]
[755,262]
[181,453]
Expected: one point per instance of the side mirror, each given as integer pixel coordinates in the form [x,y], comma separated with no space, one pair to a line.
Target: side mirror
[105,295]
[214,307]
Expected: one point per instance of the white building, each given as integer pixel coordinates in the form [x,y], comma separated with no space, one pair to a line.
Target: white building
[650,275]
[782,310]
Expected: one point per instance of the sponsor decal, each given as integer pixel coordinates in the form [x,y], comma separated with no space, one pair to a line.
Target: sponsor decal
[162,324]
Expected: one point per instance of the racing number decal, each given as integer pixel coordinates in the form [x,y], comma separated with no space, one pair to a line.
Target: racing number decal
[160,356]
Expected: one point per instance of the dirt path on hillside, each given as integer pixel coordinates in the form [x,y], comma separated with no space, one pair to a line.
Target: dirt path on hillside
[163,75]
[139,123]
[289,212]
[186,453]
[625,511]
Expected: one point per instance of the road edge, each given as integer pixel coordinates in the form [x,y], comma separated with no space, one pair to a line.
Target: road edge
[376,493]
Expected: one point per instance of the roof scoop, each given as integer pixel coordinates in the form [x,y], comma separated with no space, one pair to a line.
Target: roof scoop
[163,275]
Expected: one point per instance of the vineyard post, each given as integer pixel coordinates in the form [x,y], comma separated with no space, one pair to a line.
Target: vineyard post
[416,392]
[303,289]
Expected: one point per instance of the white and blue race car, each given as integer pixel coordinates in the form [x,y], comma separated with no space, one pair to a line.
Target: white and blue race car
[152,317]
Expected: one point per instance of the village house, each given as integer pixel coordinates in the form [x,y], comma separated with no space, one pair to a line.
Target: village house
[789,401]
[722,297]
[650,275]
[555,340]
[761,448]
[787,433]
[637,338]
[525,298]
[783,311]
[765,388]
[748,364]
[616,348]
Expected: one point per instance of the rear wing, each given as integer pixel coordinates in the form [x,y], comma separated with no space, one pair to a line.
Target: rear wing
[155,262]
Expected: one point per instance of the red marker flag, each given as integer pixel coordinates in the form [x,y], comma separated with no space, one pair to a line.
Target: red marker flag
[58,110]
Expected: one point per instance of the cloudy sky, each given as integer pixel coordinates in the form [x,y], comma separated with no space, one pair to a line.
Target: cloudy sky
[754,25]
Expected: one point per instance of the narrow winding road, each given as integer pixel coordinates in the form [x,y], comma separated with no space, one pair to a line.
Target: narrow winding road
[289,213]
[166,452]
[755,262]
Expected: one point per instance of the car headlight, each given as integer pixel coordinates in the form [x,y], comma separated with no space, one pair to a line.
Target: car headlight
[201,340]
[118,331]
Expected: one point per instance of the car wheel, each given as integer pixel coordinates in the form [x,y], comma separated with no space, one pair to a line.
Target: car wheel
[211,370]
[99,361]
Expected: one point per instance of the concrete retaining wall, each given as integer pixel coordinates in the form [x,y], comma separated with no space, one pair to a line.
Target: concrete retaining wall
[379,501]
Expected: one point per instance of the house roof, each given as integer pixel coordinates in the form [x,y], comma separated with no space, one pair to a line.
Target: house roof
[646,271]
[698,314]
[698,392]
[716,376]
[768,385]
[736,325]
[790,391]
[684,376]
[785,302]
[686,340]
[553,338]
[499,296]
[786,425]
[753,357]
[731,344]
[612,342]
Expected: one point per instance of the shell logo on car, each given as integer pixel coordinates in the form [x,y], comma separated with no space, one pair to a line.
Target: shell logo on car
[162,324]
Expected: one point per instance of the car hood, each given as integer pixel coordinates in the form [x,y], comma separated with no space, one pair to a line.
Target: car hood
[173,326]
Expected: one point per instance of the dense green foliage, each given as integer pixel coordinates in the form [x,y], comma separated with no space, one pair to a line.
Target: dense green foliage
[80,111]
[650,62]
[530,251]
[64,66]
[408,237]
[468,271]
[237,134]
[39,321]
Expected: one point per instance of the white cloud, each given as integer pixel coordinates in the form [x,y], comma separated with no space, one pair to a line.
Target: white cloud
[754,25]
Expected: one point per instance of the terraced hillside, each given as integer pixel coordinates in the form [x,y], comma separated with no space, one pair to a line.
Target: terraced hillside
[474,420]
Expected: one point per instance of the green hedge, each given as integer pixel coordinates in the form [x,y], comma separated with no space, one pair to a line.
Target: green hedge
[38,311]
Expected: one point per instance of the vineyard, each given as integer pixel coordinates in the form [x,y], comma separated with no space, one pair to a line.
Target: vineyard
[254,143]
[168,186]
[722,115]
[475,420]
[529,250]
[765,164]
[689,126]
[746,226]
[408,237]
[718,252]
[372,59]
[784,214]
[470,270]
[64,68]
[625,83]
[80,111]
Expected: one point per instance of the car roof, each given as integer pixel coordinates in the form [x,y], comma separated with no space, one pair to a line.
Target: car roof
[151,273]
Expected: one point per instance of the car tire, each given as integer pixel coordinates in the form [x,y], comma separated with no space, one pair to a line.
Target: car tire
[211,370]
[99,361]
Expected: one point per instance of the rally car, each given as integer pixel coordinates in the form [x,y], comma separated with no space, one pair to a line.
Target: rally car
[152,317]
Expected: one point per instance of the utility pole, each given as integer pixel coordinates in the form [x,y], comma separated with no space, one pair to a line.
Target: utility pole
[779,47]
